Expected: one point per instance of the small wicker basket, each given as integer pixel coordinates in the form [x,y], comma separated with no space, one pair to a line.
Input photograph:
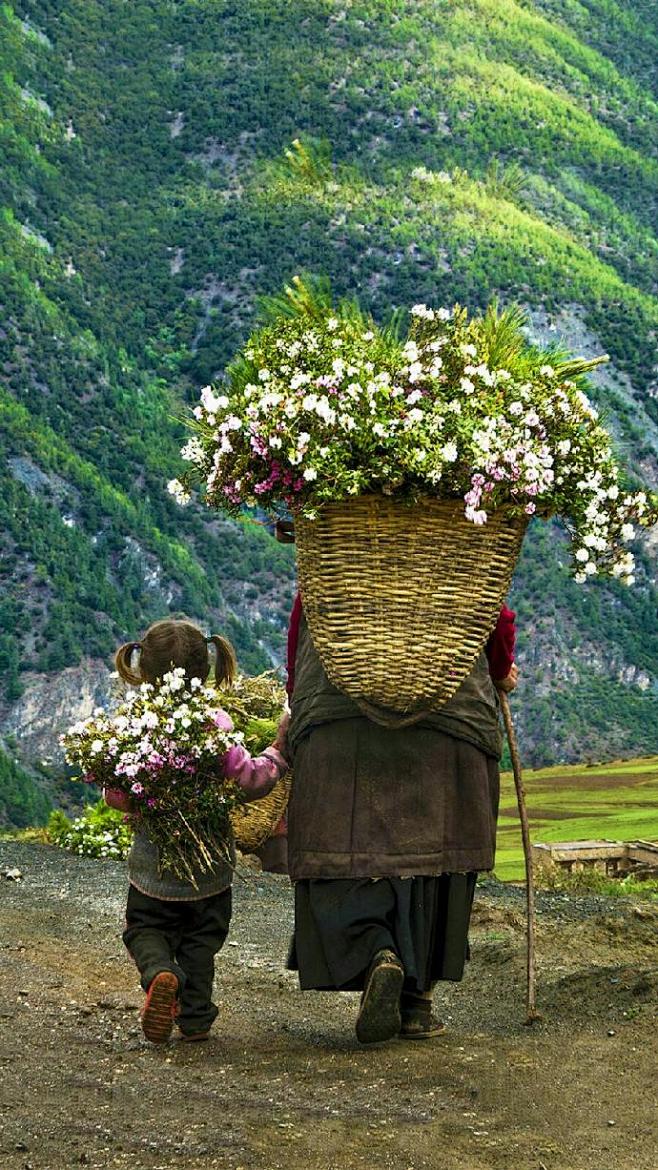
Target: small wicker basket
[400,599]
[254,822]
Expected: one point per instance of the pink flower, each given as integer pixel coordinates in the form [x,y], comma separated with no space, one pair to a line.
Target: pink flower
[530,508]
[222,721]
[137,789]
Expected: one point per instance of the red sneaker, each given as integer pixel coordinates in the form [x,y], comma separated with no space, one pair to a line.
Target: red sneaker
[160,1008]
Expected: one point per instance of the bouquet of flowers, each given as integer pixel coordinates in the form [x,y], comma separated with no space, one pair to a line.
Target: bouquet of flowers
[163,747]
[323,404]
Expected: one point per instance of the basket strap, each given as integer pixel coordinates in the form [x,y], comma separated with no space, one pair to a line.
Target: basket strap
[390,718]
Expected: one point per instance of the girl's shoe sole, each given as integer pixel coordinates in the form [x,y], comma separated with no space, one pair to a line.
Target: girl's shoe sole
[160,1007]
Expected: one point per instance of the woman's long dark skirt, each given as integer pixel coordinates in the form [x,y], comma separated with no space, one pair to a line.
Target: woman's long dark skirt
[341,924]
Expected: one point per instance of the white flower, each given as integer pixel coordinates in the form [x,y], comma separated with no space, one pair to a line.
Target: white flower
[415,396]
[380,430]
[298,380]
[96,747]
[546,371]
[310,473]
[180,493]
[192,452]
[581,554]
[443,177]
[368,336]
[444,314]
[627,532]
[449,452]
[332,324]
[415,415]
[264,375]
[325,411]
[211,402]
[466,385]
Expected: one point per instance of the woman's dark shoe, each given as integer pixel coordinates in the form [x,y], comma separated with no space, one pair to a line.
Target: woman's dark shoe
[418,1019]
[160,1008]
[379,1015]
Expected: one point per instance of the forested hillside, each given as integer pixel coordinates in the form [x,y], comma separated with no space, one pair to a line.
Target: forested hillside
[150,192]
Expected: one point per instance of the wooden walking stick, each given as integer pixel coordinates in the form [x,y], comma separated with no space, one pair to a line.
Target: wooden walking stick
[531,1009]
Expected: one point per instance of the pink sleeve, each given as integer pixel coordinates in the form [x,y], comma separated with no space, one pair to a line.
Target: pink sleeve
[115,798]
[256,777]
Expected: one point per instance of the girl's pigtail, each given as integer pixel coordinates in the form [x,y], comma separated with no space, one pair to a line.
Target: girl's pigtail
[226,664]
[122,662]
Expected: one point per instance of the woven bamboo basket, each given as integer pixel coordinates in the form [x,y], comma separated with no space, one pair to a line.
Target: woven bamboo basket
[400,599]
[254,822]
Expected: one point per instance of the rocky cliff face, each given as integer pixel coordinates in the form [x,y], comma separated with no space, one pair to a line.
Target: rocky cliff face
[49,704]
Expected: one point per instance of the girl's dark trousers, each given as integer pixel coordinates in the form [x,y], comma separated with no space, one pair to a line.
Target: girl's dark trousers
[182,937]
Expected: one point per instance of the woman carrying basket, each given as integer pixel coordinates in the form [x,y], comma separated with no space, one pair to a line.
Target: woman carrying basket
[388,828]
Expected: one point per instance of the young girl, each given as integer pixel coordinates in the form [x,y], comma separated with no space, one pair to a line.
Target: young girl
[174,929]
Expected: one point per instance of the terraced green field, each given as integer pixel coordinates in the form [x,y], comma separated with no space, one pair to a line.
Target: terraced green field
[617,801]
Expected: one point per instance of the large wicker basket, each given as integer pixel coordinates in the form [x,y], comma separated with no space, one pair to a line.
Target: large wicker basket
[400,599]
[254,822]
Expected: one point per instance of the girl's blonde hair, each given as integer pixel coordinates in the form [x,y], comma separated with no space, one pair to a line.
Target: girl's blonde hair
[175,642]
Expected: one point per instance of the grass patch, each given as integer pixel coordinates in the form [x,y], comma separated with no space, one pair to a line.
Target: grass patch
[616,801]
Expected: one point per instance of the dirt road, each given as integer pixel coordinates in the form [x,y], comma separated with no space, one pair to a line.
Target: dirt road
[283,1083]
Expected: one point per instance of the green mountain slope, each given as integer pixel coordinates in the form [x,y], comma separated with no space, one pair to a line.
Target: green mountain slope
[451,151]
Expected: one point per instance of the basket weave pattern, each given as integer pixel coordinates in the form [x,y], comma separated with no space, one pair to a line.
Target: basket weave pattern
[400,599]
[253,823]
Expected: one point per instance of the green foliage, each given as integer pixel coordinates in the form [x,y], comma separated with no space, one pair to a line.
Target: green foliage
[99,832]
[22,800]
[591,881]
[165,229]
[504,182]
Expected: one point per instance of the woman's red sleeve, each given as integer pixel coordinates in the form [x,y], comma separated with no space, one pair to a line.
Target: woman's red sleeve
[500,647]
[293,635]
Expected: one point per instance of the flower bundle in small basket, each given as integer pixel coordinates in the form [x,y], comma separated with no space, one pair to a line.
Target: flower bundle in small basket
[411,465]
[255,705]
